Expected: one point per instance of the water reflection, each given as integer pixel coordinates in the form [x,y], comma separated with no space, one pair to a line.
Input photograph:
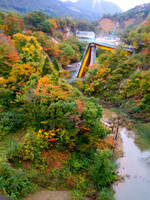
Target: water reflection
[134,167]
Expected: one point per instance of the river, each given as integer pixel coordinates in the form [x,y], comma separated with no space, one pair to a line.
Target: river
[134,166]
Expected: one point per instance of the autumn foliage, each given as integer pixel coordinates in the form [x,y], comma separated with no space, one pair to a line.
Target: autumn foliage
[122,79]
[13,25]
[47,117]
[8,55]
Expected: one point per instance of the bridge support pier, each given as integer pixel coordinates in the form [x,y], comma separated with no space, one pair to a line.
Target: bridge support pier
[93,54]
[90,55]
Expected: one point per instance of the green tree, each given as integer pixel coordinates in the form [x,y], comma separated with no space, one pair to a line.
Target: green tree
[47,67]
[106,194]
[2,17]
[35,19]
[103,171]
[55,63]
[46,27]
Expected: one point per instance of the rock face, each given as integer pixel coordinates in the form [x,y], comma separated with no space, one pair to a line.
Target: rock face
[85,9]
[125,20]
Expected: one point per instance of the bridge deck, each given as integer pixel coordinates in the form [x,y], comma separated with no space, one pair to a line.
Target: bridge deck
[103,45]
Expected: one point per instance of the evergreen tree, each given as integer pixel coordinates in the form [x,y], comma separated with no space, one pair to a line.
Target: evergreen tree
[47,67]
[56,66]
[54,77]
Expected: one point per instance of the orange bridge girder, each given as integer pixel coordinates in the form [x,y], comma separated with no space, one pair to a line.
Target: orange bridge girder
[90,54]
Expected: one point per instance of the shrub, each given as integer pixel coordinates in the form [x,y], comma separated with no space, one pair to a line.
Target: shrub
[103,170]
[10,121]
[13,183]
[106,194]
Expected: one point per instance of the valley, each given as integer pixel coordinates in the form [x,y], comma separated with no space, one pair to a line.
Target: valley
[60,133]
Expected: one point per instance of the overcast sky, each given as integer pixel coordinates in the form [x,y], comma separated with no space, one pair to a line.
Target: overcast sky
[125,4]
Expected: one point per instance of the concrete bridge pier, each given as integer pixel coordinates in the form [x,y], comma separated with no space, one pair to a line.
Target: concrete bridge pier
[93,54]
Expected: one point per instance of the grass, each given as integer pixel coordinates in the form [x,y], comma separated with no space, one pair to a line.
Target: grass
[143,136]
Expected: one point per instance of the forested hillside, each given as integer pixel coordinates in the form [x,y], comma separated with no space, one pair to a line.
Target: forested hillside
[82,9]
[124,80]
[51,136]
[126,20]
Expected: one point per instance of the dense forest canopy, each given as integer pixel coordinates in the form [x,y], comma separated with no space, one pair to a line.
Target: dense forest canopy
[49,132]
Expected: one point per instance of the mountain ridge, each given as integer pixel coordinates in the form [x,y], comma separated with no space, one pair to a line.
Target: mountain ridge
[126,20]
[82,9]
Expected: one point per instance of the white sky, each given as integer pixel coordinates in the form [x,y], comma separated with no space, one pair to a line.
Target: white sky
[124,4]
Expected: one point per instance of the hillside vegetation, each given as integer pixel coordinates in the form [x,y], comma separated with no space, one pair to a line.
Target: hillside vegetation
[124,80]
[126,20]
[50,135]
[82,9]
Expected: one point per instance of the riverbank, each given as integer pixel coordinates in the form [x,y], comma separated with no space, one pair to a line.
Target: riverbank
[117,142]
[127,172]
[134,165]
[126,109]
[126,181]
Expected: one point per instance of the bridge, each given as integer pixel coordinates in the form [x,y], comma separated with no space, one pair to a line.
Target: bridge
[90,54]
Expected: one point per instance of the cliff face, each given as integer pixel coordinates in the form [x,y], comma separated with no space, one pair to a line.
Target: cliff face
[107,25]
[125,20]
